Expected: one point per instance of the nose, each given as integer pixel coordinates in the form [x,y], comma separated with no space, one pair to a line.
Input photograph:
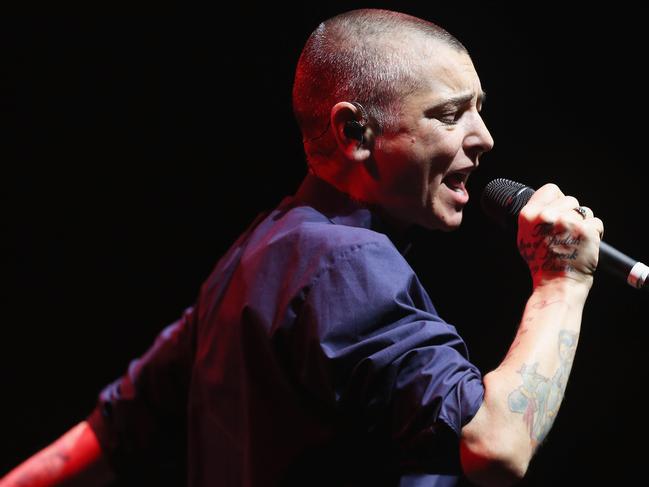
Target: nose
[478,139]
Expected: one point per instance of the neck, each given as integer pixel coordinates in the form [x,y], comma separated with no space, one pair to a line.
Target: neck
[353,187]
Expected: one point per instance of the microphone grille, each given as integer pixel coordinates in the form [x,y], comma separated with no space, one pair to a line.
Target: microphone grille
[503,199]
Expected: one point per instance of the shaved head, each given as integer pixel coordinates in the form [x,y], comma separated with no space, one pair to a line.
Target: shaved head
[374,57]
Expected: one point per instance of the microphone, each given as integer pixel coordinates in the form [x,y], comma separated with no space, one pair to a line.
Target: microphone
[502,200]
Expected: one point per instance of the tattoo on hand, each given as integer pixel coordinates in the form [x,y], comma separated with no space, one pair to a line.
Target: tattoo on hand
[539,397]
[557,254]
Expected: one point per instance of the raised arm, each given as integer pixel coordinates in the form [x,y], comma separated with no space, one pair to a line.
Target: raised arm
[74,459]
[523,395]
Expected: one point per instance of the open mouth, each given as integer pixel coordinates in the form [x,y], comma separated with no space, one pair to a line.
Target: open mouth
[456,182]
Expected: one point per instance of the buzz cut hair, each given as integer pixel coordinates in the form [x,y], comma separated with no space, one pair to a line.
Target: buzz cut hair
[370,56]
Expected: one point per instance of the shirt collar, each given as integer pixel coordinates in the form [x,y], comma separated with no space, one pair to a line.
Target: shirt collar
[341,209]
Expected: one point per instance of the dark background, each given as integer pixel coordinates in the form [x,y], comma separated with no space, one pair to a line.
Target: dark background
[135,149]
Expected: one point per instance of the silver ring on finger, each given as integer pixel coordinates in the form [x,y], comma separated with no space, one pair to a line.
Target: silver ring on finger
[582,211]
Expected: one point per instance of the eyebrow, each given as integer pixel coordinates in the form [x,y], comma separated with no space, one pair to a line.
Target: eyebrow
[460,100]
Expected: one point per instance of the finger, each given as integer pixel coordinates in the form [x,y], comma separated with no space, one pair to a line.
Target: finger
[598,225]
[562,208]
[564,203]
[542,197]
[545,195]
[584,212]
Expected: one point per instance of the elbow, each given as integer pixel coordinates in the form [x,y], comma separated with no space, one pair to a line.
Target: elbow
[491,464]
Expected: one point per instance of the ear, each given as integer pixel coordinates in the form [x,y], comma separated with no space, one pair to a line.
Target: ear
[353,136]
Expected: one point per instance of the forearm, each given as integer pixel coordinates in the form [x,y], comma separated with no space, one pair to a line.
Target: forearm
[74,459]
[535,371]
[523,395]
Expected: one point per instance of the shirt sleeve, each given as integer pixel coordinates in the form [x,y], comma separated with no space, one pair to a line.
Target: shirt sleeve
[140,417]
[395,368]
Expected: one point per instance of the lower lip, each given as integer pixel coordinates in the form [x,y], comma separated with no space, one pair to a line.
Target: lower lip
[461,197]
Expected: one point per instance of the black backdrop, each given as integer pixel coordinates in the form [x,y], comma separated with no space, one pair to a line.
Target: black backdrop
[136,148]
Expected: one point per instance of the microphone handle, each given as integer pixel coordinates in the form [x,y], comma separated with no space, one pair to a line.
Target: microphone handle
[635,273]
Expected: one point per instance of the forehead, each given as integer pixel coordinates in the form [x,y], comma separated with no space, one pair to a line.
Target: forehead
[447,72]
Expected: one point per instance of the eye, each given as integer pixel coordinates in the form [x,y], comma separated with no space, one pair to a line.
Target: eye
[449,118]
[447,114]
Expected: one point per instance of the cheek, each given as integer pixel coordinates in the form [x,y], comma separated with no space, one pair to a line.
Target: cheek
[440,139]
[403,164]
[416,165]
[440,158]
[445,142]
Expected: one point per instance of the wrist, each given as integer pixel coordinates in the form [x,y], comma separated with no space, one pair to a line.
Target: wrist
[566,287]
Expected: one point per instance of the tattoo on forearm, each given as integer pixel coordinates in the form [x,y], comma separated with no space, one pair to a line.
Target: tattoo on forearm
[539,397]
[556,256]
[544,304]
[519,336]
[524,326]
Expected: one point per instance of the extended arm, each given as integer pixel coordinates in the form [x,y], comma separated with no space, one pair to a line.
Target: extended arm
[523,395]
[147,399]
[74,459]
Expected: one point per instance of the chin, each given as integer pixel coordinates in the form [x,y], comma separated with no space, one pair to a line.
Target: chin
[448,223]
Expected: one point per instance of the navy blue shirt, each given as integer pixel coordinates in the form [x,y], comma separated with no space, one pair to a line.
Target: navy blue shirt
[312,356]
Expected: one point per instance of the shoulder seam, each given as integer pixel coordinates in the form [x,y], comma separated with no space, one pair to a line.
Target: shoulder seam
[342,255]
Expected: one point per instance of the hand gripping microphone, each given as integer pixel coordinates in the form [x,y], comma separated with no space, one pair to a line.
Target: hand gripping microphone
[502,200]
